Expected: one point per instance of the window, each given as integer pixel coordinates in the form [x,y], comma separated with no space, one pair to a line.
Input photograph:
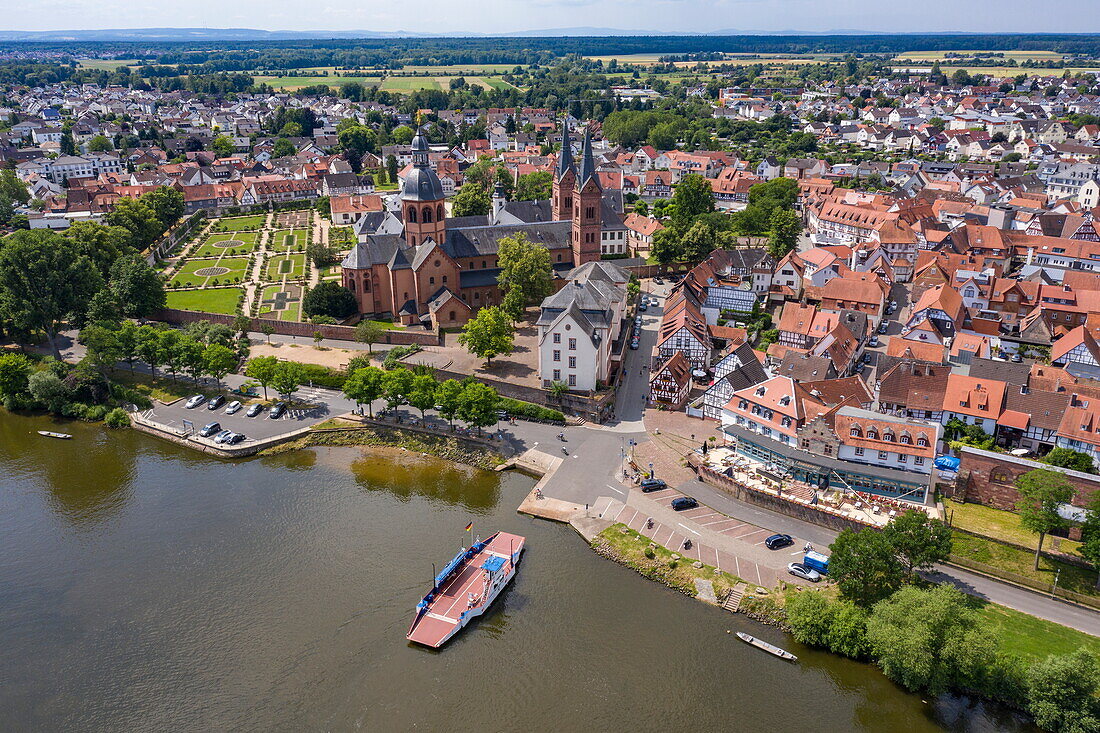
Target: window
[483,265]
[444,279]
[572,344]
[856,432]
[412,216]
[431,281]
[859,451]
[872,434]
[919,460]
[428,215]
[572,380]
[922,442]
[902,458]
[557,338]
[557,375]
[882,455]
[743,405]
[805,444]
[888,437]
[557,355]
[451,315]
[572,362]
[905,439]
[477,296]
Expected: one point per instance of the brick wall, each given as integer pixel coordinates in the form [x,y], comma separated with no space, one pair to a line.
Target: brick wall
[990,478]
[291,328]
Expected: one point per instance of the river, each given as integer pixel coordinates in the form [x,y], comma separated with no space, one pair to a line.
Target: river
[147,587]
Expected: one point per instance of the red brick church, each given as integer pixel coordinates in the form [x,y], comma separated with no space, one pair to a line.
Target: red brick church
[422,266]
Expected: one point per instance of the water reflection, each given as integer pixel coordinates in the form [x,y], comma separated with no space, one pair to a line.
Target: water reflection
[406,475]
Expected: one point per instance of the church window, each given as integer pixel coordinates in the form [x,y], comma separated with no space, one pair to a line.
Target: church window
[451,315]
[431,281]
[439,216]
[412,216]
[444,279]
[477,296]
[428,215]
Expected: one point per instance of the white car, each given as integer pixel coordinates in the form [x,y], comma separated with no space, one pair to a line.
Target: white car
[232,407]
[799,570]
[195,401]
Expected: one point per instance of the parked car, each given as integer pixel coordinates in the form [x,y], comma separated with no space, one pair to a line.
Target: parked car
[658,281]
[866,357]
[222,436]
[643,307]
[653,484]
[277,410]
[778,541]
[799,570]
[195,401]
[1016,358]
[634,344]
[873,342]
[215,402]
[233,407]
[883,327]
[210,429]
[684,502]
[234,438]
[255,410]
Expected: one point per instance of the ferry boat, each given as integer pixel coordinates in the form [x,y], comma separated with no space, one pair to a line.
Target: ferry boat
[465,588]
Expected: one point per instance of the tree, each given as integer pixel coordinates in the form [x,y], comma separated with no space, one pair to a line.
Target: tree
[136,286]
[1041,493]
[138,219]
[68,144]
[13,188]
[471,200]
[525,270]
[1074,460]
[242,324]
[919,541]
[666,247]
[102,345]
[101,243]
[48,389]
[219,360]
[104,308]
[391,168]
[488,334]
[534,186]
[396,386]
[422,393]
[14,371]
[785,228]
[402,135]
[44,280]
[221,146]
[1062,692]
[478,404]
[166,203]
[839,626]
[267,329]
[148,347]
[693,197]
[330,298]
[448,396]
[369,333]
[262,369]
[189,356]
[929,640]
[864,566]
[100,144]
[365,386]
[287,377]
[129,336]
[699,241]
[282,148]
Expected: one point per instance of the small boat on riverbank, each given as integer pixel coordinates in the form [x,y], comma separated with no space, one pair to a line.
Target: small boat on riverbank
[61,436]
[769,648]
[469,583]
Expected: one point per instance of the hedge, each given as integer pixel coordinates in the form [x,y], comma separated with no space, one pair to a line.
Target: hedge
[529,410]
[322,376]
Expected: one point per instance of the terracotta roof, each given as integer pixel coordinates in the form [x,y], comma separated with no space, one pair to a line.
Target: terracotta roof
[974,397]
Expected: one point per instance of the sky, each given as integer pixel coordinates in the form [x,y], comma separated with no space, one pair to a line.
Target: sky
[502,16]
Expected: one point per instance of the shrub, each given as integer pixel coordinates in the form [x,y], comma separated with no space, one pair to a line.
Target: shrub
[529,410]
[117,418]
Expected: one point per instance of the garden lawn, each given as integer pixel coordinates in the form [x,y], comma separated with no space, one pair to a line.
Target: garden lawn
[288,266]
[245,242]
[999,524]
[331,272]
[285,240]
[210,300]
[293,310]
[236,266]
[241,223]
[1022,562]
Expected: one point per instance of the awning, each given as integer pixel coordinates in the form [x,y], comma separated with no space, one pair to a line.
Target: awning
[1014,419]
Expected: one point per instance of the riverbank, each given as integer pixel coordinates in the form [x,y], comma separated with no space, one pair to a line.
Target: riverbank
[442,446]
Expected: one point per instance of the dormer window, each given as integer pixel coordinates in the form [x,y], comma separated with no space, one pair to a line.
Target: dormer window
[856,432]
[872,434]
[743,405]
[888,437]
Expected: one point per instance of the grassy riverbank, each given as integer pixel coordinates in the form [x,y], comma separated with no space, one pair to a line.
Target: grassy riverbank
[441,446]
[659,563]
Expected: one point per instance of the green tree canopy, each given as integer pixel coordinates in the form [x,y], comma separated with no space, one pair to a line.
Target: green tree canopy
[919,541]
[136,286]
[1071,459]
[15,369]
[364,386]
[422,392]
[1062,692]
[101,243]
[692,198]
[139,219]
[785,227]
[262,369]
[370,333]
[448,395]
[535,186]
[330,298]
[1042,492]
[525,273]
[864,566]
[288,376]
[489,333]
[218,361]
[396,386]
[478,404]
[471,200]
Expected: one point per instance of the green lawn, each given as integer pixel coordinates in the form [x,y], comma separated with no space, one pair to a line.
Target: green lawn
[1031,638]
[410,83]
[1022,562]
[106,64]
[240,223]
[999,524]
[288,266]
[331,272]
[291,83]
[466,70]
[245,242]
[210,300]
[293,309]
[284,240]
[235,267]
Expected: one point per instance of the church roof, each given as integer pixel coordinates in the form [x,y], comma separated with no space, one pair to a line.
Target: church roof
[565,158]
[588,164]
[422,184]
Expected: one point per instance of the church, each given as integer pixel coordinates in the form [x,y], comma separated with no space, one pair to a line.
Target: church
[421,266]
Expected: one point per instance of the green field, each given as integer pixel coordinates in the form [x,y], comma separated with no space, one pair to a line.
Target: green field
[245,242]
[211,300]
[284,239]
[1033,638]
[235,267]
[413,83]
[106,64]
[239,223]
[291,302]
[940,55]
[288,266]
[331,272]
[292,83]
[462,69]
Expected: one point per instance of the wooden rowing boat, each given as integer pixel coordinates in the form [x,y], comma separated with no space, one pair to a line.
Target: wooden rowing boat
[769,648]
[48,434]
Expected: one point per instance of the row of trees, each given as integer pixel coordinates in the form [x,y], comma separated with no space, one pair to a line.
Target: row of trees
[471,401]
[191,352]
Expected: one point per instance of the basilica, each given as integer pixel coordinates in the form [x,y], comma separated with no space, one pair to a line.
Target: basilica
[421,266]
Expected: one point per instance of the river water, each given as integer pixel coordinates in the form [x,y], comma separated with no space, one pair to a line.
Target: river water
[147,587]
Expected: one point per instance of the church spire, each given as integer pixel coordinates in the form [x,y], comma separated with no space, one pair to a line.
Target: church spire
[588,166]
[565,157]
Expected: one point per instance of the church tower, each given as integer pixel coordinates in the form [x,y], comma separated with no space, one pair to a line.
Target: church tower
[587,209]
[565,178]
[422,198]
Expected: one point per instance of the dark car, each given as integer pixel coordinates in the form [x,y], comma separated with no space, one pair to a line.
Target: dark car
[653,484]
[659,281]
[255,410]
[642,306]
[873,342]
[210,429]
[234,438]
[277,410]
[215,402]
[883,327]
[684,502]
[778,541]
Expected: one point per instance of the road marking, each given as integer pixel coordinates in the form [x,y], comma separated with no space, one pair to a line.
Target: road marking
[797,552]
[614,489]
[689,529]
[737,564]
[759,580]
